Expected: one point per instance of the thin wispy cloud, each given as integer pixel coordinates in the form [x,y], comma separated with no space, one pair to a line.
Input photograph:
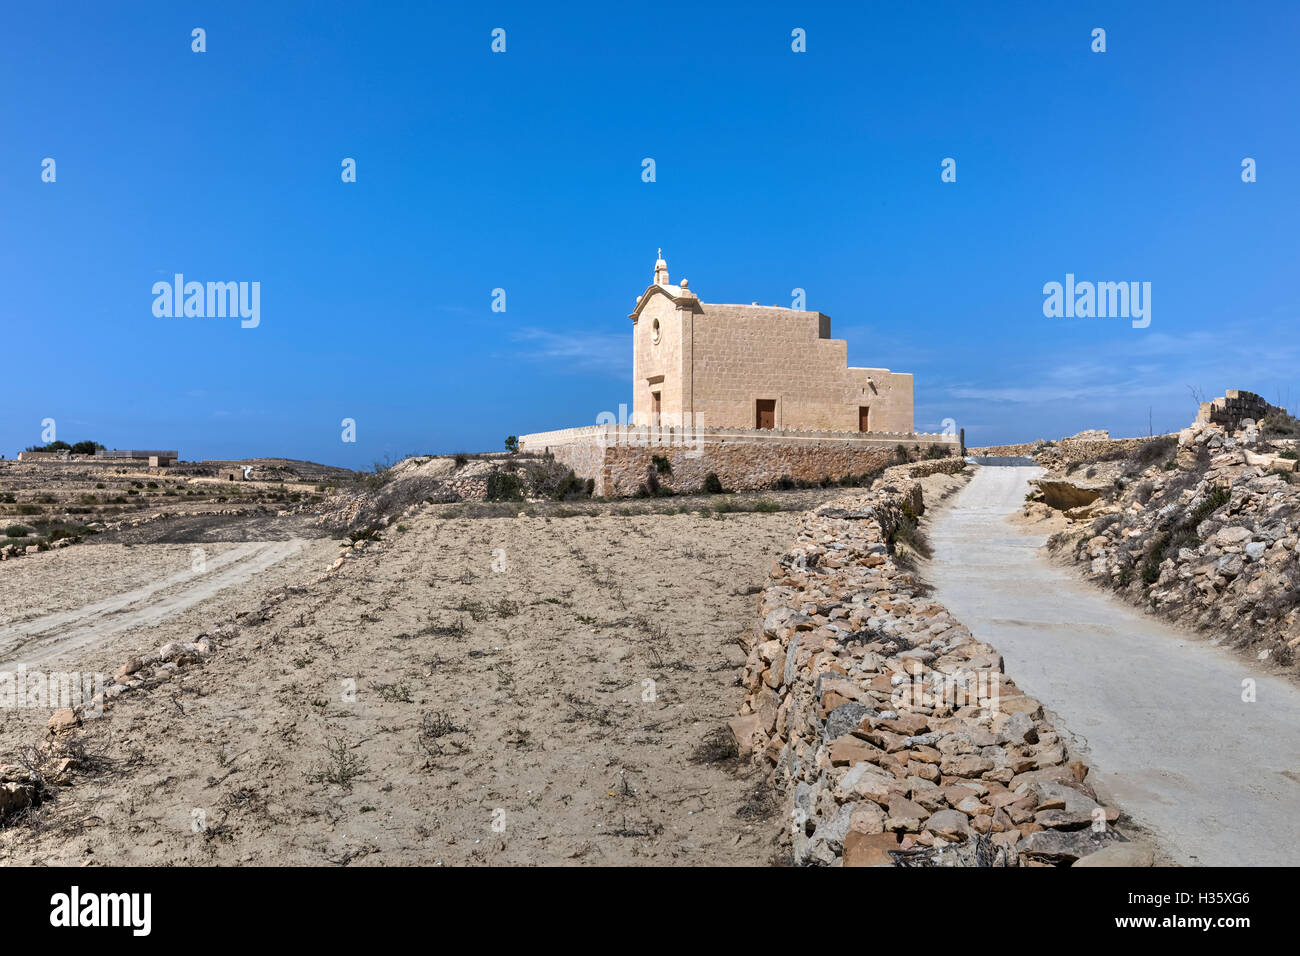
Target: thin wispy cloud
[574,351]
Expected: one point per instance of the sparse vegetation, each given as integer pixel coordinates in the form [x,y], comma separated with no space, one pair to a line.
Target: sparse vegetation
[394,693]
[504,486]
[1150,452]
[718,746]
[340,765]
[1279,424]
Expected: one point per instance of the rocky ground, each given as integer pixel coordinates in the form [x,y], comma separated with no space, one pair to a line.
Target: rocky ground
[458,690]
[1202,527]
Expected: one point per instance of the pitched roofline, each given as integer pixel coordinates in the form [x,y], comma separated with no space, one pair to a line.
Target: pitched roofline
[686,300]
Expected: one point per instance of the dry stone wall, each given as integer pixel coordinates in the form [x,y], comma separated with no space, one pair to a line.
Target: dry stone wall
[740,466]
[896,735]
[1084,447]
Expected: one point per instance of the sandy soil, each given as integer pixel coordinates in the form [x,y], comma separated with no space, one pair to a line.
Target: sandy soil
[420,706]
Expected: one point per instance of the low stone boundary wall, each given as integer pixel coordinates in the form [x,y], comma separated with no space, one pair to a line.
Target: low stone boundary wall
[938,466]
[1023,450]
[1066,450]
[618,459]
[896,734]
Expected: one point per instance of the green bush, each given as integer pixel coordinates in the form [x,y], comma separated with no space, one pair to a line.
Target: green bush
[571,486]
[1212,503]
[547,478]
[504,486]
[662,465]
[512,443]
[712,484]
[1181,535]
[17,531]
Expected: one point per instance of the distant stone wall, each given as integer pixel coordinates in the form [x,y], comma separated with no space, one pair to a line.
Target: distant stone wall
[939,466]
[619,459]
[40,456]
[1023,450]
[1074,452]
[1067,450]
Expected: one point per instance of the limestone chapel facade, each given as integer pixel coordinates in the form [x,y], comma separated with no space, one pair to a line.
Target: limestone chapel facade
[752,366]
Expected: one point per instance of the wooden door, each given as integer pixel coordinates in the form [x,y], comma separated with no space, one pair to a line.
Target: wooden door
[765,415]
[656,406]
[863,418]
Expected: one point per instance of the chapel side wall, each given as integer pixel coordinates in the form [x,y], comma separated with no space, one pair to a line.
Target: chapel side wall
[745,353]
[891,400]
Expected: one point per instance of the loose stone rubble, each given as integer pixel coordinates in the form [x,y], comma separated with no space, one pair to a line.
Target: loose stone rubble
[895,733]
[53,761]
[1207,534]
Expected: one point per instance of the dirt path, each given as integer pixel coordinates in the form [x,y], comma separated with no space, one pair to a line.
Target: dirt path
[1158,710]
[60,636]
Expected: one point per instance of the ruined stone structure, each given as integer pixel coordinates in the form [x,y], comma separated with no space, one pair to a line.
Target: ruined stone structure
[752,366]
[1231,409]
[752,394]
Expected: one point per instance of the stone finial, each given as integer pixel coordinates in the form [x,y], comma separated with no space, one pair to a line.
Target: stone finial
[661,270]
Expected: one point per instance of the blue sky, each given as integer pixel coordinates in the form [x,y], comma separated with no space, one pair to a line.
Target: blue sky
[522,171]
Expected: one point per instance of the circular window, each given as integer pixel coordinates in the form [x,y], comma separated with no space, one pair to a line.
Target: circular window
[654,333]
